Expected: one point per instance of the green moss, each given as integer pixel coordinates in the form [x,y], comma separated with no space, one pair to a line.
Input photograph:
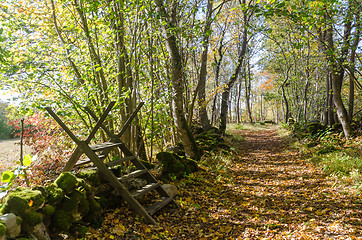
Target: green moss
[2,229]
[66,181]
[171,165]
[95,210]
[48,210]
[32,218]
[56,194]
[147,164]
[42,189]
[21,199]
[79,230]
[61,220]
[83,206]
[104,202]
[69,203]
[192,164]
[90,176]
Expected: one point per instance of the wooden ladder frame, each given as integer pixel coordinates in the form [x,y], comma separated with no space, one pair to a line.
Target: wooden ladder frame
[83,147]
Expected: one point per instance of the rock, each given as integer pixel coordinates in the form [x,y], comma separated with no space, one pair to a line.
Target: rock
[66,181]
[90,176]
[41,232]
[171,165]
[170,189]
[135,183]
[12,224]
[56,194]
[22,199]
[314,127]
[176,149]
[61,220]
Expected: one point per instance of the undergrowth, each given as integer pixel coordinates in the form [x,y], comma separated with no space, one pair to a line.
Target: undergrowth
[327,149]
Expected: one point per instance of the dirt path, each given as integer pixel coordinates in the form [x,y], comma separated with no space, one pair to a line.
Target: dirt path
[288,197]
[264,191]
[10,153]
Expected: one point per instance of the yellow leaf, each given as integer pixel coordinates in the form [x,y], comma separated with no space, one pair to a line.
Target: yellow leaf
[31,203]
[204,219]
[111,236]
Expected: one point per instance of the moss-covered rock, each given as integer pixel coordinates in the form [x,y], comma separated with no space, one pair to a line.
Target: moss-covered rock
[314,127]
[22,199]
[2,228]
[56,194]
[66,181]
[91,176]
[79,230]
[192,164]
[61,220]
[42,190]
[32,218]
[48,210]
[95,210]
[171,165]
[148,165]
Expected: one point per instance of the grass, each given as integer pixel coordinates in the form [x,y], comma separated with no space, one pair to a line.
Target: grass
[340,159]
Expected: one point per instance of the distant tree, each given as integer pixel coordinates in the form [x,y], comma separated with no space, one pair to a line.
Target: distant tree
[5,129]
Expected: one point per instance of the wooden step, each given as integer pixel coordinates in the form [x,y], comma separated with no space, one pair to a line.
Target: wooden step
[148,188]
[87,161]
[119,161]
[133,174]
[160,203]
[105,145]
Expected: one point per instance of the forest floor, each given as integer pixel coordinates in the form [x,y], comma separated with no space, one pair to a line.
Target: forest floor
[263,189]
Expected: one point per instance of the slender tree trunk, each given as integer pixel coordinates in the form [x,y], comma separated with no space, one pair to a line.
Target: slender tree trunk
[234,76]
[352,70]
[204,119]
[184,132]
[217,73]
[285,99]
[247,78]
[338,74]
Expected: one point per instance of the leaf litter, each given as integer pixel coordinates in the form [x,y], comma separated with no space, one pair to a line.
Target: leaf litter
[264,190]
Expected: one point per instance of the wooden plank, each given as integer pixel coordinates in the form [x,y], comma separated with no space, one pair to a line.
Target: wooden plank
[100,122]
[119,161]
[136,173]
[148,188]
[65,128]
[158,205]
[108,174]
[105,145]
[129,120]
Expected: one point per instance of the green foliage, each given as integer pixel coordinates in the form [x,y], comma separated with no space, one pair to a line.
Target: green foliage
[6,130]
[2,229]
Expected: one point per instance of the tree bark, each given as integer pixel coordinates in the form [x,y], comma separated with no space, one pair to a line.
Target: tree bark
[230,83]
[204,119]
[184,132]
[335,64]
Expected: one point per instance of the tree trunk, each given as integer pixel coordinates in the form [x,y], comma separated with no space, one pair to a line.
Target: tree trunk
[183,130]
[204,119]
[338,74]
[247,80]
[230,83]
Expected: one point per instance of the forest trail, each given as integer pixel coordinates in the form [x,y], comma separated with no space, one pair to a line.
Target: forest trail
[266,191]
